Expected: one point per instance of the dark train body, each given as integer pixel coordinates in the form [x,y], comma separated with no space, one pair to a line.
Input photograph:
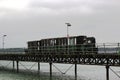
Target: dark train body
[63,45]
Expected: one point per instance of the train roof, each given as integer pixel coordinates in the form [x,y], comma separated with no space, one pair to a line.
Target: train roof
[63,37]
[60,38]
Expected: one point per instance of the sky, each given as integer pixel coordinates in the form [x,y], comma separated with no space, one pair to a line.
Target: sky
[28,20]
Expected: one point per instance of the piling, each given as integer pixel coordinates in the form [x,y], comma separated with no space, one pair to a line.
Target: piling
[107,72]
[75,71]
[38,67]
[50,70]
[17,66]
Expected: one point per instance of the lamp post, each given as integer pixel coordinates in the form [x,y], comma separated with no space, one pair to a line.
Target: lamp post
[68,25]
[4,40]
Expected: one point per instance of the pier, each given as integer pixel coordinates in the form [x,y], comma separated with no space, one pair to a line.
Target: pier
[106,60]
[102,55]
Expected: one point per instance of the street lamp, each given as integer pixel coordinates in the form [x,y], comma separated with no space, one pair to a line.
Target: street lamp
[4,40]
[68,25]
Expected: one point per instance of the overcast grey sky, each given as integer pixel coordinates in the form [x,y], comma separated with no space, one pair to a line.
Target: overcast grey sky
[26,20]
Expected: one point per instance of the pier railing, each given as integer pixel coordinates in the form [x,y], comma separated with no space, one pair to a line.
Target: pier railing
[12,51]
[112,48]
[99,48]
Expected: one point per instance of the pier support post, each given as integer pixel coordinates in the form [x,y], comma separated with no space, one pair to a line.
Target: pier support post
[38,67]
[17,66]
[107,72]
[75,71]
[13,65]
[50,70]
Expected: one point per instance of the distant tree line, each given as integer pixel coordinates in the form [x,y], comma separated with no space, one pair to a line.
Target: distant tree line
[12,50]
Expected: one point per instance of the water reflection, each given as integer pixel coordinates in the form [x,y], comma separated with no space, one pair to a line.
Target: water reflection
[84,72]
[8,74]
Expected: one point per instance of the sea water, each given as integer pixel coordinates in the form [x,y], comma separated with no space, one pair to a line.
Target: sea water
[28,71]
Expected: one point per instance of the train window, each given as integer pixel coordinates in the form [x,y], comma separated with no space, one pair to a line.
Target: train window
[62,42]
[72,41]
[46,42]
[89,41]
[85,39]
[58,42]
[54,41]
[38,43]
[75,41]
[51,42]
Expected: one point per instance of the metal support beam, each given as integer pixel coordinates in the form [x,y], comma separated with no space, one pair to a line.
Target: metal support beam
[107,72]
[17,66]
[38,67]
[50,70]
[75,71]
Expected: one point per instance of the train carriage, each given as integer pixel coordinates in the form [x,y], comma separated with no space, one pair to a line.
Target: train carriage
[33,47]
[63,45]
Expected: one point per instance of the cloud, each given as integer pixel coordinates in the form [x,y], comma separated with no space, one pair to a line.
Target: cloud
[46,6]
[14,4]
[37,19]
[54,7]
[62,7]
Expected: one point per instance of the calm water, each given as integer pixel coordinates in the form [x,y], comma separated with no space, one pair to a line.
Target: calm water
[28,71]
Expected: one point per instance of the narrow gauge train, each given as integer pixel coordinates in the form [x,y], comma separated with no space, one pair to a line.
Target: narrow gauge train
[63,45]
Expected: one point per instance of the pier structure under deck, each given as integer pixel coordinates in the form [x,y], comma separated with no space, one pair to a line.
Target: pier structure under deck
[106,60]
